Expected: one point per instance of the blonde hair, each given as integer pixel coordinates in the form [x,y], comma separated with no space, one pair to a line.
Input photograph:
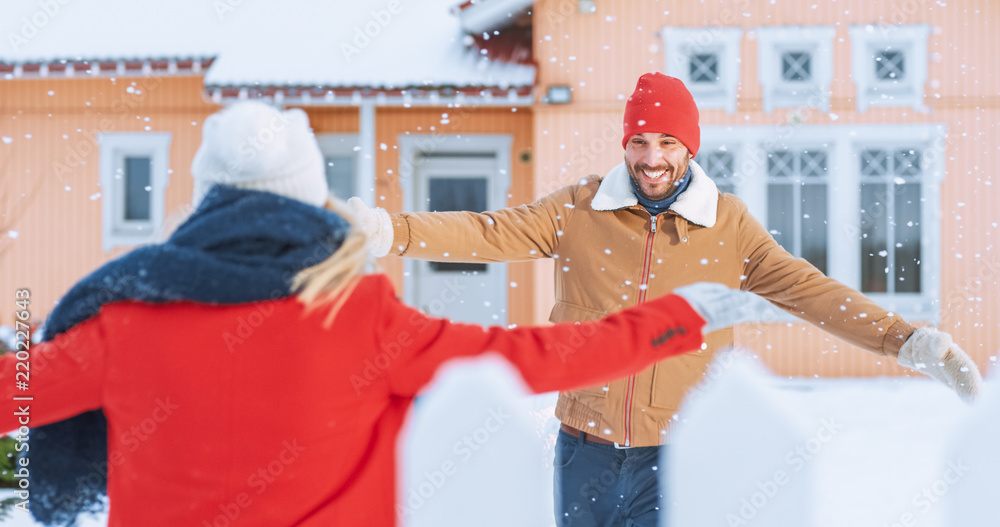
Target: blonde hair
[332,281]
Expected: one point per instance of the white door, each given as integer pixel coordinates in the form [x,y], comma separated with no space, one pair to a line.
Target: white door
[458,180]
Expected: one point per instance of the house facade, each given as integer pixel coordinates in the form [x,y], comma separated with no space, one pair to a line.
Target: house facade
[858,133]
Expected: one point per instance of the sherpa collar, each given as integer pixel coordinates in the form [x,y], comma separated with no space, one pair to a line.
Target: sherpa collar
[698,204]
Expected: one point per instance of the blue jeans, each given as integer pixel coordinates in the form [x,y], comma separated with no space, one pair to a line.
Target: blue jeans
[602,486]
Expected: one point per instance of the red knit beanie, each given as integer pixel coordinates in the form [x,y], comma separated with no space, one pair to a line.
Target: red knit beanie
[663,105]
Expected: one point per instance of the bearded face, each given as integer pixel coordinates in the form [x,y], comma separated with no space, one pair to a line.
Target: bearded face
[656,163]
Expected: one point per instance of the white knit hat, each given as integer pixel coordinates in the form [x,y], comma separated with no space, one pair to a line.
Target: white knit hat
[254,146]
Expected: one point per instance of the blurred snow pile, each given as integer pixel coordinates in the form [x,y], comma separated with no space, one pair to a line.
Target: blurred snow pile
[832,452]
[473,454]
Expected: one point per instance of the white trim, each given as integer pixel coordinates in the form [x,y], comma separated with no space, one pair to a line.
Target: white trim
[911,40]
[364,184]
[773,43]
[682,43]
[431,98]
[343,145]
[115,146]
[843,144]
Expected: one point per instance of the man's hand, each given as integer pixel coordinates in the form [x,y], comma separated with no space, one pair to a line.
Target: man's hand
[933,353]
[375,223]
[721,306]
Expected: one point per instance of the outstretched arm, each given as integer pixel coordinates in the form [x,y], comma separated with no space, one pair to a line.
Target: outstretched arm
[64,377]
[559,357]
[801,289]
[795,285]
[518,233]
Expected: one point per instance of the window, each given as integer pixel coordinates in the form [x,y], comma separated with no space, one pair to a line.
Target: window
[457,193]
[340,154]
[707,60]
[703,68]
[133,183]
[889,65]
[797,201]
[860,202]
[795,66]
[890,220]
[718,164]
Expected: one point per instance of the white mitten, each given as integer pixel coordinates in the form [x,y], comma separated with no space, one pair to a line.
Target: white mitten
[933,353]
[721,306]
[375,222]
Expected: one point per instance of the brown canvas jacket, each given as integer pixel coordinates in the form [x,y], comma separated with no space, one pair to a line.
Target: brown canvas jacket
[610,254]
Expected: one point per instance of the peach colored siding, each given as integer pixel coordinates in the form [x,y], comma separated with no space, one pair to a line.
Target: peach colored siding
[601,54]
[59,227]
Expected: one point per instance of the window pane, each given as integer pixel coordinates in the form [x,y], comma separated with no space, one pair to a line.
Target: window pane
[908,162]
[780,209]
[890,65]
[340,176]
[907,238]
[813,163]
[796,66]
[814,225]
[780,163]
[874,255]
[874,163]
[704,68]
[457,194]
[718,165]
[138,193]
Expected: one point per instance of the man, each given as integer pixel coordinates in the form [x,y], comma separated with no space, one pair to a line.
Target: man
[651,224]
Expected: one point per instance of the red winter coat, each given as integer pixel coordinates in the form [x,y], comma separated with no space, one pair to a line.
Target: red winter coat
[255,414]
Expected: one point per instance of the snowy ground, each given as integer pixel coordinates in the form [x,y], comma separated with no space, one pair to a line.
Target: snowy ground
[894,433]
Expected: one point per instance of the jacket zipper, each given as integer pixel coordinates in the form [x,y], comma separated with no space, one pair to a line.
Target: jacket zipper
[643,287]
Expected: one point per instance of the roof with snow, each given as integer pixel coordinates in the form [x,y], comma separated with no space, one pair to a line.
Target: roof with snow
[393,44]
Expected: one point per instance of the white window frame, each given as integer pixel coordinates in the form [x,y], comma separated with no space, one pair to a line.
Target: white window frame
[343,145]
[682,43]
[709,148]
[773,43]
[115,147]
[868,40]
[844,143]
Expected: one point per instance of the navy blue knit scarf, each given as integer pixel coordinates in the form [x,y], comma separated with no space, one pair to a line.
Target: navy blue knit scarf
[661,206]
[238,246]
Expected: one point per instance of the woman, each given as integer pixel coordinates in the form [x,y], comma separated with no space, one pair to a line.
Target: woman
[247,372]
